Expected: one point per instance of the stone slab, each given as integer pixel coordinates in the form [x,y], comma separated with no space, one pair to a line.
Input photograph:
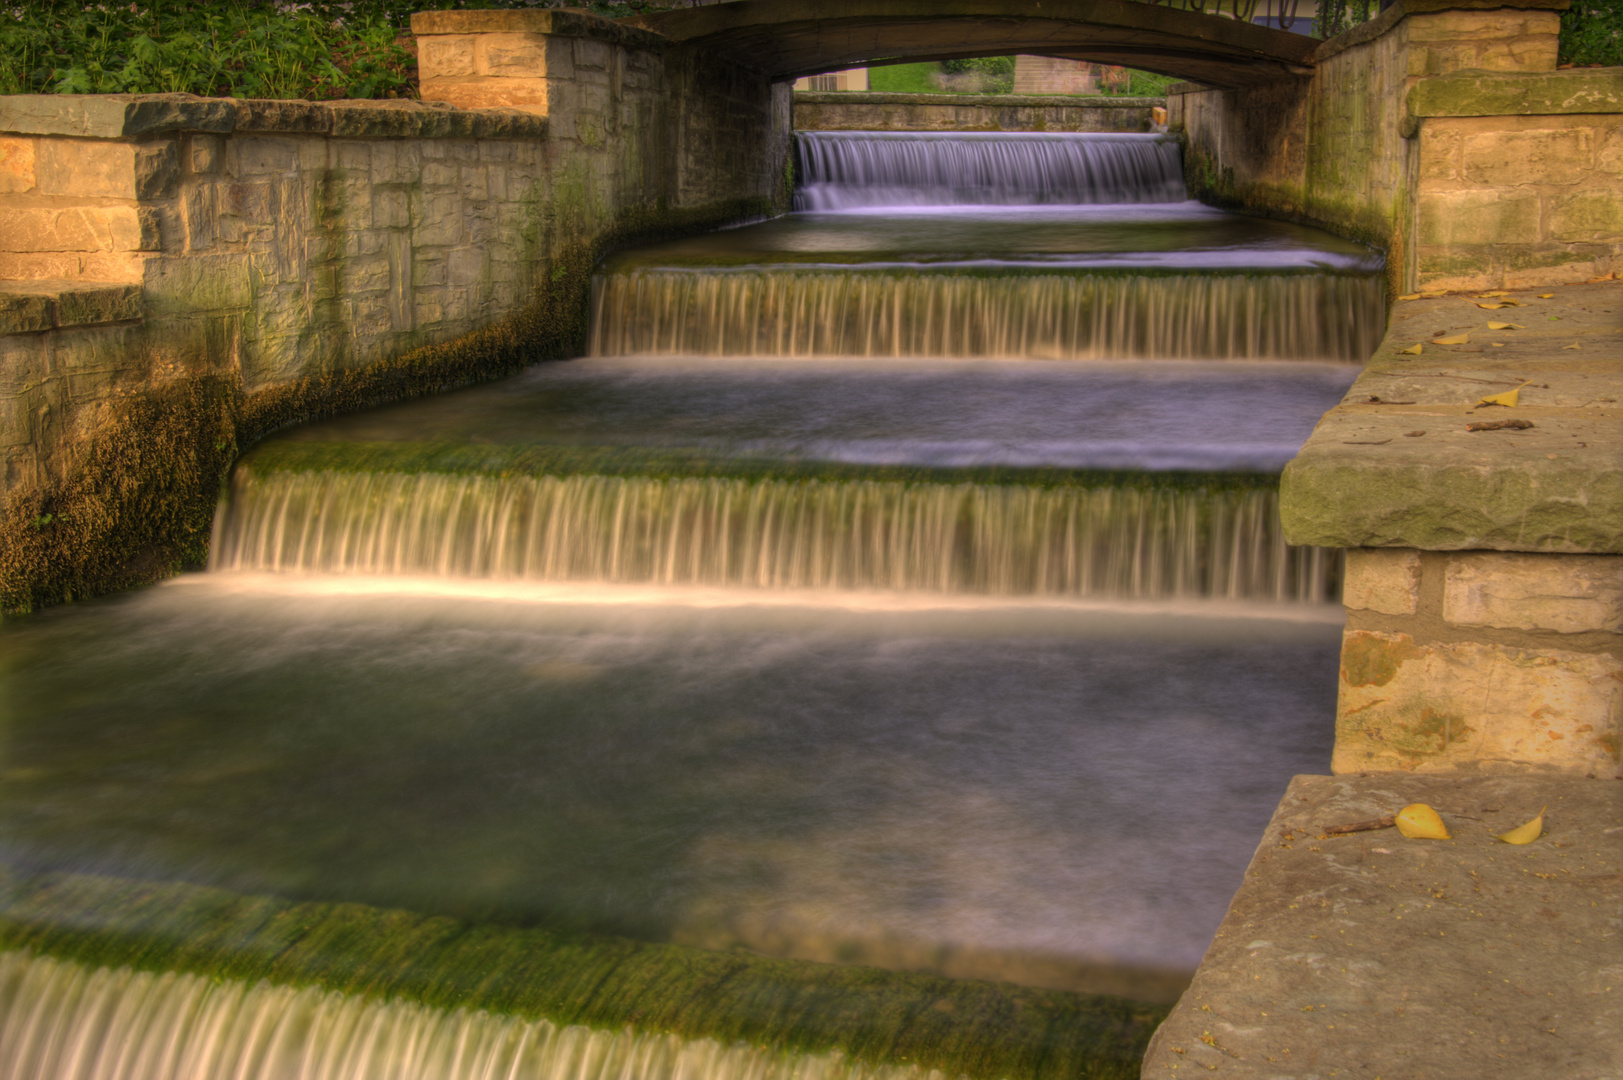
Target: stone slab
[1394,465]
[1541,93]
[31,306]
[1375,956]
[115,116]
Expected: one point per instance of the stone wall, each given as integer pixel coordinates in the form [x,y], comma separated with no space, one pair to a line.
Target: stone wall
[303,258]
[1445,136]
[968,112]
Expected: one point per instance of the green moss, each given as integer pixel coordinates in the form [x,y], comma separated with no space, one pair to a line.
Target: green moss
[961,1027]
[462,458]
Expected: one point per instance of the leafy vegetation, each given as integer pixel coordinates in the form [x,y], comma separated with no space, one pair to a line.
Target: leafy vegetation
[241,48]
[1336,16]
[1592,33]
[992,75]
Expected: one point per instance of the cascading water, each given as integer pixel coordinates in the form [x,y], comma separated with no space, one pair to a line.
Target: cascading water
[857,601]
[844,170]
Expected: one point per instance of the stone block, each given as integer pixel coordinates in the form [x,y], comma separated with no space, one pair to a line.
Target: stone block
[263,155]
[16,165]
[157,168]
[391,209]
[465,266]
[25,312]
[83,305]
[1478,217]
[438,176]
[85,168]
[1409,706]
[525,95]
[1439,153]
[591,54]
[1568,594]
[445,56]
[180,284]
[1503,158]
[1591,217]
[1386,580]
[78,228]
[513,56]
[205,154]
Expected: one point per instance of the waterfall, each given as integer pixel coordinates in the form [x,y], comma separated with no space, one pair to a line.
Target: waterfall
[1001,540]
[844,170]
[920,312]
[62,1021]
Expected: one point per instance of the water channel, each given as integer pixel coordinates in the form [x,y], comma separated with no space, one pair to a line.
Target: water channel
[891,607]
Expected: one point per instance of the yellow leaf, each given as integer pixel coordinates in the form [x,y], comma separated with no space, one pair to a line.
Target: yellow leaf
[1413,350]
[1410,296]
[1507,399]
[1546,296]
[1418,821]
[1497,344]
[1492,307]
[1525,834]
[1495,292]
[1574,345]
[1452,339]
[1505,326]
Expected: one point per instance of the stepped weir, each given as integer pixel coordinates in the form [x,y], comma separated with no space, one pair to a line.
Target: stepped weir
[788,688]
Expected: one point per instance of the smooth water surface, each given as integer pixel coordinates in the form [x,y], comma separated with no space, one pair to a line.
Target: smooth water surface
[997,791]
[1229,416]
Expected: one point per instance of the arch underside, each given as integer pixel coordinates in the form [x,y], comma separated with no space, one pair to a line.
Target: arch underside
[790,38]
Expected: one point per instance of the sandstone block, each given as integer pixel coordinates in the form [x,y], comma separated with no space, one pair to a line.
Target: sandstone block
[445,55]
[1439,153]
[591,54]
[1386,580]
[526,95]
[1478,217]
[391,209]
[25,312]
[1414,707]
[205,154]
[88,168]
[79,228]
[1569,594]
[465,266]
[513,56]
[1527,157]
[180,284]
[82,305]
[1591,217]
[16,165]
[264,155]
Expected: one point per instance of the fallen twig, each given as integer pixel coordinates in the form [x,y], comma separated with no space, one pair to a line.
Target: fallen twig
[1361,826]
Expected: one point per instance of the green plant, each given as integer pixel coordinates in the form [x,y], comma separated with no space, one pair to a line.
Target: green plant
[992,74]
[1592,33]
[1336,16]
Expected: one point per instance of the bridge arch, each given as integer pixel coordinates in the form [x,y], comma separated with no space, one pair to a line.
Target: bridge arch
[790,38]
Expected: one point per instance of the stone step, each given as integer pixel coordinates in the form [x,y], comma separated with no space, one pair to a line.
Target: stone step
[32,306]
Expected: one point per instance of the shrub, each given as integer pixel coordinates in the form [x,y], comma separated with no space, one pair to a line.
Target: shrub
[1592,33]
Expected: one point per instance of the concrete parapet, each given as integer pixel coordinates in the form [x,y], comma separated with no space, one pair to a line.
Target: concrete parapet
[859,111]
[1484,584]
[1369,954]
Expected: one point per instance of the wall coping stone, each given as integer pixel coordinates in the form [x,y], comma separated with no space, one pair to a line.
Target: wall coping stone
[32,306]
[556,23]
[1363,480]
[876,97]
[1515,93]
[114,116]
[1386,20]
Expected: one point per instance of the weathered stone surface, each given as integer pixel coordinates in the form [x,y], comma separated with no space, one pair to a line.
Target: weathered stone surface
[1364,480]
[1371,955]
[23,312]
[74,228]
[567,24]
[1383,580]
[1569,594]
[1424,707]
[42,305]
[111,116]
[1546,93]
[16,165]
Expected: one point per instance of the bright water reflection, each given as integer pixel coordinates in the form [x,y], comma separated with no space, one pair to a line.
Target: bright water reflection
[1022,793]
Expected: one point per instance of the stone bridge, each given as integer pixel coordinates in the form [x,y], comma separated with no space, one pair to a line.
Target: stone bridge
[786,39]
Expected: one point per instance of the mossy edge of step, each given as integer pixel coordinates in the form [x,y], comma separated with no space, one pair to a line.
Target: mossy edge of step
[961,1027]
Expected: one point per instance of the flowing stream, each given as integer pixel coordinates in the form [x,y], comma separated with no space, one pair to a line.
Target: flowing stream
[875,660]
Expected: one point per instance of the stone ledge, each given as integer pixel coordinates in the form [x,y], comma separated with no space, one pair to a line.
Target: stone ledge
[1047,101]
[1544,93]
[1373,955]
[32,306]
[555,23]
[1362,480]
[113,116]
